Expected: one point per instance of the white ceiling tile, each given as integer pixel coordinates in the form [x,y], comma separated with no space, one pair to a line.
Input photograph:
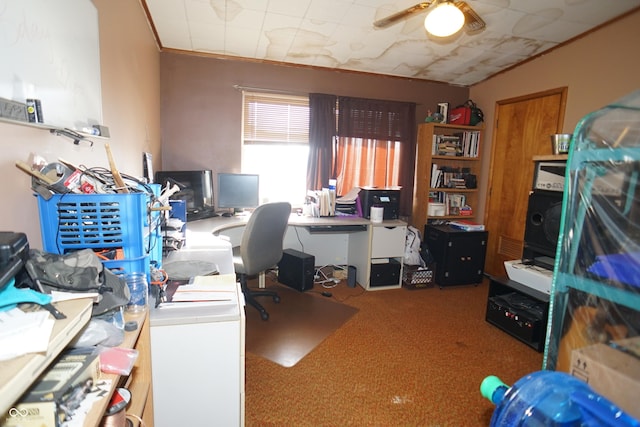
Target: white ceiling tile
[209,45]
[340,33]
[207,32]
[247,19]
[274,21]
[288,7]
[167,9]
[259,5]
[242,41]
[327,10]
[204,12]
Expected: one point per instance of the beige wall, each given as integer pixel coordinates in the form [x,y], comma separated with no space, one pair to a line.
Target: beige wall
[131,109]
[201,111]
[597,69]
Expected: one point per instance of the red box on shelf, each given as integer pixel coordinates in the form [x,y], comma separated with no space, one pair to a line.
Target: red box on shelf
[460,116]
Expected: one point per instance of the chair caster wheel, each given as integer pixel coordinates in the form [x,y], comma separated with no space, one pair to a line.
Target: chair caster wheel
[264,315]
[276,298]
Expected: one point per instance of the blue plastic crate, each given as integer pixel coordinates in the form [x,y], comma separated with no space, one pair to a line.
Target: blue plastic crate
[153,231]
[70,222]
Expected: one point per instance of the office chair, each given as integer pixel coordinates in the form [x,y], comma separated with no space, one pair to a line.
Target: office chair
[261,249]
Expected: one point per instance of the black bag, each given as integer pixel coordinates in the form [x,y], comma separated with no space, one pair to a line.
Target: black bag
[79,271]
[477,116]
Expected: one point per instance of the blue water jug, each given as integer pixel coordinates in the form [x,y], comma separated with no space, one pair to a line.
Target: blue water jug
[549,398]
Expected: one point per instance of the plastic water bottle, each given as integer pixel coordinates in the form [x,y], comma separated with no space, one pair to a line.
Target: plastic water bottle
[139,290]
[550,398]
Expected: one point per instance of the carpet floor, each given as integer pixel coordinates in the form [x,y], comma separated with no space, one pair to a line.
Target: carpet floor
[406,358]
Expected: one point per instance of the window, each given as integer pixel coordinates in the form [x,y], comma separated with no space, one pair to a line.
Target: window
[275,144]
[374,142]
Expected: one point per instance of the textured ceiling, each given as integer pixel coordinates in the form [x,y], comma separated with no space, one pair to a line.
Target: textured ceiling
[339,33]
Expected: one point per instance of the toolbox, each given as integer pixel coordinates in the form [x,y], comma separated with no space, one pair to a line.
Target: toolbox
[14,251]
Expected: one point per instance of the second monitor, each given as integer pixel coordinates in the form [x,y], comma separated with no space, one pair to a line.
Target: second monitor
[237,191]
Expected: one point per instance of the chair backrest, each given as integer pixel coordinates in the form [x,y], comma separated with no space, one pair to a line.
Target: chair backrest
[263,236]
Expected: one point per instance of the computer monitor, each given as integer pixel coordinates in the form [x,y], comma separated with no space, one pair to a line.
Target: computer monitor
[196,189]
[238,191]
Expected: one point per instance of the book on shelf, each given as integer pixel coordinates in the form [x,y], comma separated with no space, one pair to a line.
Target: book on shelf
[448,177]
[470,141]
[435,175]
[58,392]
[447,145]
[466,225]
[454,203]
[460,144]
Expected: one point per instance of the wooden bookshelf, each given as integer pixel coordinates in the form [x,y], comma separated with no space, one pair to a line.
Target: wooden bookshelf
[426,157]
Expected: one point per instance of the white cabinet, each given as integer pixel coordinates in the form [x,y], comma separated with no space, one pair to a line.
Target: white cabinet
[386,253]
[198,360]
[387,241]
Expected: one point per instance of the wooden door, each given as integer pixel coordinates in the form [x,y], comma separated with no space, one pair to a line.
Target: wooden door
[522,129]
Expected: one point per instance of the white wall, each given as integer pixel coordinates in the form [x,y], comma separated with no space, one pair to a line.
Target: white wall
[131,108]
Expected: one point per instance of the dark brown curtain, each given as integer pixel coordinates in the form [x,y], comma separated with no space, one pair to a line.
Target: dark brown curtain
[322,132]
[384,122]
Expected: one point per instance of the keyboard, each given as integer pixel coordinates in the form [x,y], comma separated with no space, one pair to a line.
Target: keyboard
[337,228]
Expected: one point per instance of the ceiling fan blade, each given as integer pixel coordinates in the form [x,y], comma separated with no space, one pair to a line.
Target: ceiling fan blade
[472,21]
[392,19]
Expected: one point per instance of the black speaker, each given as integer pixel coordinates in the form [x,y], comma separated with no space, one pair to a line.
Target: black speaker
[296,269]
[543,224]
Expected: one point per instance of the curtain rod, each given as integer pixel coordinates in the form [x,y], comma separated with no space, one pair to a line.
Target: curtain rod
[260,89]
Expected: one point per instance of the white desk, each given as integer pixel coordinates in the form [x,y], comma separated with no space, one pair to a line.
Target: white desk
[375,242]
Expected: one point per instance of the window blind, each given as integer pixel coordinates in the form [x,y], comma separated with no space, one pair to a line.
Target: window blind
[275,118]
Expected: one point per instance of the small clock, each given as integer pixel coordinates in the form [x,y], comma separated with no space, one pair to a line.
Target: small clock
[13,110]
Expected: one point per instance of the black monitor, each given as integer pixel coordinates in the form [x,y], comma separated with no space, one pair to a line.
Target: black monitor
[237,191]
[196,189]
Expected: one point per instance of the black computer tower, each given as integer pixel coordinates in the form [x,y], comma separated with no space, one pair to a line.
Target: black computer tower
[296,269]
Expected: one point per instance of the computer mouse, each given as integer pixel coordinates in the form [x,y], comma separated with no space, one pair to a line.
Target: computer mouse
[227,214]
[326,294]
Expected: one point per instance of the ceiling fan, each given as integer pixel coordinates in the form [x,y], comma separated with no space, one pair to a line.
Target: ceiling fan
[444,19]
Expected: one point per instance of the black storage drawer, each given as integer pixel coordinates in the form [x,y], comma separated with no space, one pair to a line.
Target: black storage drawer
[385,274]
[459,254]
[518,310]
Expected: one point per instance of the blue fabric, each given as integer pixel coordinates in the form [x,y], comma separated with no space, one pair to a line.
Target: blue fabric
[624,268]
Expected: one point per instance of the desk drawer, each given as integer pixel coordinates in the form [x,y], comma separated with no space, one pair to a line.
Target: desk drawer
[388,242]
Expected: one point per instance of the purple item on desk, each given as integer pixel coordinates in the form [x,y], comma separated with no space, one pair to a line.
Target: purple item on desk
[624,268]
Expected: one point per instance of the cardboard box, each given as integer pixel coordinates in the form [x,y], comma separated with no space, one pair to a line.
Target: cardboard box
[58,390]
[610,372]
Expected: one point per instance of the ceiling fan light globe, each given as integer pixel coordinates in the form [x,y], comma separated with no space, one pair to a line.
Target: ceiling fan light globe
[445,20]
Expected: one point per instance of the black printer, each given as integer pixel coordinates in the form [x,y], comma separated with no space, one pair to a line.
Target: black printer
[387,198]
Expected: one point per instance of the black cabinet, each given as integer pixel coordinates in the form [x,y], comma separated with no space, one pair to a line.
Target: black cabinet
[459,254]
[518,310]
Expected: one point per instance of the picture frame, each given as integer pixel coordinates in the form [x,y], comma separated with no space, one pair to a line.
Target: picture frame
[443,108]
